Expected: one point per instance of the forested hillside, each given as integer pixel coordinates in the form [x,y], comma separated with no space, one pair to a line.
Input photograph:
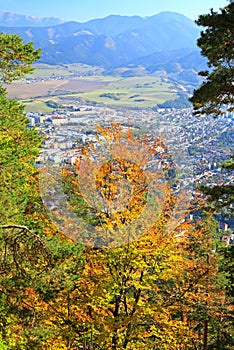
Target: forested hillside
[131,261]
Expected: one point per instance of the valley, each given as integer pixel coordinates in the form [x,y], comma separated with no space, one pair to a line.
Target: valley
[68,83]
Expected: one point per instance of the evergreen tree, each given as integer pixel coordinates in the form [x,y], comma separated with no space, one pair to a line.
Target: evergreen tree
[38,273]
[19,145]
[16,58]
[216,94]
[216,97]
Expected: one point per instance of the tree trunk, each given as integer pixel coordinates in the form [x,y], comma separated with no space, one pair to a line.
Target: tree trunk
[205,335]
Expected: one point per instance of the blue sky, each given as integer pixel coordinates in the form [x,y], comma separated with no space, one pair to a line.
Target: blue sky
[83,10]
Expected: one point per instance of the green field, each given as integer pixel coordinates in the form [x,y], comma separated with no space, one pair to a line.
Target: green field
[36,106]
[132,92]
[88,83]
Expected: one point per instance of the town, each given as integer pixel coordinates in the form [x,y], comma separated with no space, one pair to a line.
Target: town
[198,146]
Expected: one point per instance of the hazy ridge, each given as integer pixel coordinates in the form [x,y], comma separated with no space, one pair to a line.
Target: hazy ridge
[165,42]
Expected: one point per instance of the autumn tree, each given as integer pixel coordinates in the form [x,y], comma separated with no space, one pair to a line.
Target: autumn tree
[154,291]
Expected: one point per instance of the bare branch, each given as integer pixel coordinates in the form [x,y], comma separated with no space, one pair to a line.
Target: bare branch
[25,229]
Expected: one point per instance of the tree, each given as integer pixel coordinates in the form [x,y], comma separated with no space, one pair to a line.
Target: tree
[38,272]
[216,95]
[158,290]
[19,145]
[152,293]
[19,198]
[16,58]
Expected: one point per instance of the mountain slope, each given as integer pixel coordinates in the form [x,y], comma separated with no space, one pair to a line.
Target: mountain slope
[112,41]
[10,19]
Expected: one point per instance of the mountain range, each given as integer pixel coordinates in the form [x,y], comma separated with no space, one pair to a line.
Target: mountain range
[165,41]
[9,19]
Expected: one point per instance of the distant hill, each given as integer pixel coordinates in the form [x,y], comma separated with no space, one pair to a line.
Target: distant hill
[111,41]
[181,64]
[163,44]
[9,19]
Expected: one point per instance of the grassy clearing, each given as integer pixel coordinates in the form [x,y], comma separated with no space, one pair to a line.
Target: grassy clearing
[38,106]
[133,92]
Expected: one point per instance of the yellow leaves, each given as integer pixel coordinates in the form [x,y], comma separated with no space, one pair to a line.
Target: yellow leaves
[134,287]
[171,334]
[116,181]
[148,281]
[55,344]
[121,190]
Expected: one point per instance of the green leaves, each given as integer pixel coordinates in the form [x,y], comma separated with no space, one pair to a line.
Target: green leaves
[15,57]
[19,146]
[216,94]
